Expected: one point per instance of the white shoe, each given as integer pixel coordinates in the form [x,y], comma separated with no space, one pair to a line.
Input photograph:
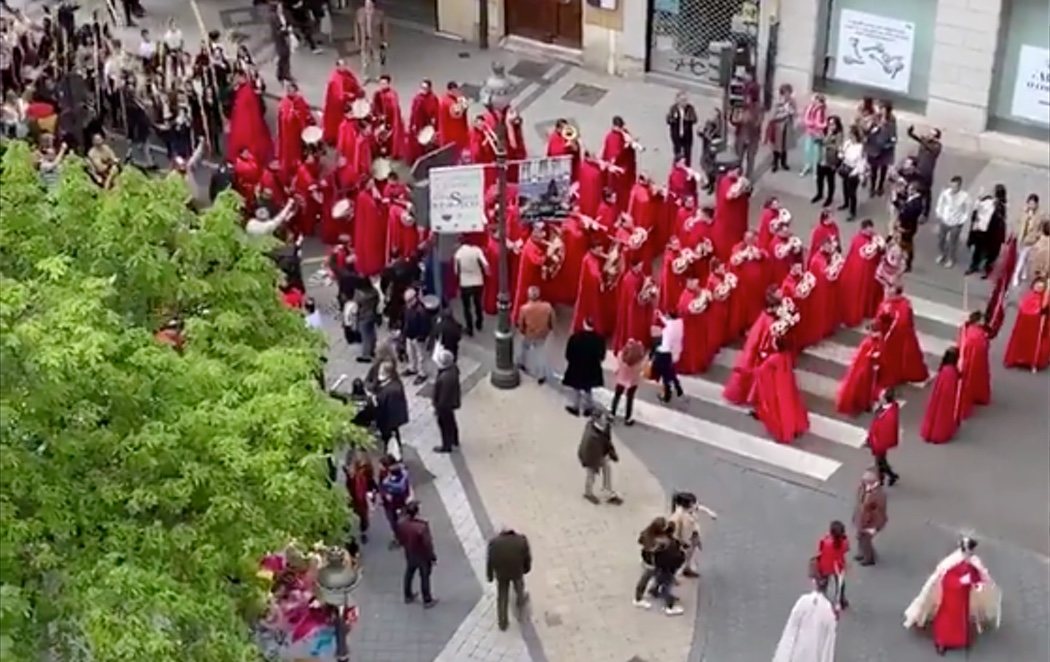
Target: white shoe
[940,259]
[642,604]
[674,611]
[949,264]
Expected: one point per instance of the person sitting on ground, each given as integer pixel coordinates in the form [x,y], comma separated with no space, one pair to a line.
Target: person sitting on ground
[103,163]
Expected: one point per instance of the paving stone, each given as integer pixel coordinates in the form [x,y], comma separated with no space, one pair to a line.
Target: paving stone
[532,70]
[588,95]
[242,17]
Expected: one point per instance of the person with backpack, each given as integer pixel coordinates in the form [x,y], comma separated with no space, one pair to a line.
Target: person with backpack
[395,490]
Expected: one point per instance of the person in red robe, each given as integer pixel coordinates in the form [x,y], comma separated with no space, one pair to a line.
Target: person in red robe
[637,307]
[826,228]
[857,390]
[403,234]
[775,398]
[976,386]
[941,418]
[826,266]
[771,216]
[619,150]
[693,305]
[386,105]
[665,215]
[800,286]
[578,233]
[370,231]
[732,199]
[1029,344]
[565,141]
[858,276]
[483,148]
[490,289]
[960,575]
[425,111]
[364,151]
[722,286]
[682,181]
[532,266]
[756,346]
[342,89]
[309,190]
[273,186]
[642,209]
[591,184]
[293,115]
[336,228]
[247,173]
[453,127]
[785,251]
[748,264]
[884,434]
[674,272]
[248,129]
[902,360]
[597,299]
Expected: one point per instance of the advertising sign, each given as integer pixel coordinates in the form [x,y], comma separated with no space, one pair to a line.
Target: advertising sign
[457,199]
[874,50]
[543,188]
[1032,85]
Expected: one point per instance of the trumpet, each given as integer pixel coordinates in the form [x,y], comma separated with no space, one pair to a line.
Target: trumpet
[460,107]
[569,133]
[694,175]
[631,143]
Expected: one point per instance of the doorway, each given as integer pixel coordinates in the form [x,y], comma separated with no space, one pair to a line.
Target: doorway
[558,22]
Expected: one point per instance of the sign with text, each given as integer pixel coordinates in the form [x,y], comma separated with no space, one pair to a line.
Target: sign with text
[1032,85]
[543,188]
[874,50]
[457,199]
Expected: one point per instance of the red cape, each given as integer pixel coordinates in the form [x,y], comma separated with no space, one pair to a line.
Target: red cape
[680,183]
[765,223]
[402,236]
[452,129]
[858,278]
[248,128]
[696,346]
[589,295]
[1029,345]
[718,312]
[826,228]
[748,264]
[566,283]
[672,281]
[293,115]
[308,187]
[884,430]
[635,318]
[616,151]
[950,625]
[995,311]
[530,274]
[490,290]
[246,176]
[802,290]
[369,234]
[902,359]
[776,398]
[730,217]
[424,112]
[592,180]
[941,418]
[759,342]
[342,88]
[976,386]
[856,391]
[387,105]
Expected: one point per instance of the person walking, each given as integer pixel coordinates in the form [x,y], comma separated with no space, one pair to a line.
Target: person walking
[535,323]
[471,266]
[281,36]
[880,147]
[366,300]
[391,408]
[629,366]
[953,210]
[395,491]
[584,354]
[596,453]
[416,331]
[809,634]
[668,558]
[418,544]
[869,515]
[884,434]
[446,400]
[668,351]
[987,232]
[829,565]
[651,538]
[507,562]
[685,512]
[1027,232]
[681,118]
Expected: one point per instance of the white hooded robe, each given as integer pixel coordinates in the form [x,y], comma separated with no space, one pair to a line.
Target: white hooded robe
[809,634]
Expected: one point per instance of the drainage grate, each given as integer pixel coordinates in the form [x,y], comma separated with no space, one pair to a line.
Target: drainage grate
[587,95]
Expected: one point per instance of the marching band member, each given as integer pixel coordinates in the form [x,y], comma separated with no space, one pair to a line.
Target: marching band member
[738,389]
[825,228]
[682,181]
[858,275]
[1029,344]
[767,222]
[591,183]
[309,193]
[784,251]
[722,286]
[636,306]
[370,232]
[386,105]
[775,397]
[826,266]
[293,115]
[798,286]
[694,309]
[531,266]
[452,123]
[732,199]
[940,420]
[564,140]
[247,173]
[856,391]
[748,264]
[343,89]
[620,149]
[976,385]
[425,111]
[902,359]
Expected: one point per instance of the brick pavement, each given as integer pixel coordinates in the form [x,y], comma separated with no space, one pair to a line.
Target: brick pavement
[521,449]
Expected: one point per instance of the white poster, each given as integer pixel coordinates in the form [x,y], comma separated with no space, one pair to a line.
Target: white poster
[874,50]
[1032,85]
[457,199]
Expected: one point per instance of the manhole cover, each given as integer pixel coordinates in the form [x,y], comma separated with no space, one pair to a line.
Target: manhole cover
[530,69]
[588,95]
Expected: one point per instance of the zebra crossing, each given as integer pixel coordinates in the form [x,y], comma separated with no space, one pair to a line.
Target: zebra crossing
[818,372]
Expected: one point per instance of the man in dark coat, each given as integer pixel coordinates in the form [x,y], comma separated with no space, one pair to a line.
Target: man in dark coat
[869,515]
[596,452]
[584,354]
[391,407]
[446,400]
[414,534]
[448,331]
[509,560]
[926,156]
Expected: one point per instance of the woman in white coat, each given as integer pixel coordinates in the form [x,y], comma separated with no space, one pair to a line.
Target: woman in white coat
[809,634]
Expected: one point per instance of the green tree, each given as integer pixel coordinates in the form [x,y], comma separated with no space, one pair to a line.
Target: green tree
[139,485]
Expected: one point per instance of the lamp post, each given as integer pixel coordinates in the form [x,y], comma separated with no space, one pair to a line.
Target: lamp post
[496,95]
[336,580]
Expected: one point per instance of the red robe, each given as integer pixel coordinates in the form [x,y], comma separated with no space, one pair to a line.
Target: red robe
[673,273]
[558,146]
[426,108]
[490,290]
[777,400]
[566,283]
[247,126]
[826,294]
[941,418]
[342,89]
[346,138]
[1029,344]
[530,272]
[858,279]
[617,151]
[748,264]
[273,182]
[401,236]
[976,387]
[826,228]
[247,173]
[902,359]
[589,296]
[665,215]
[885,428]
[636,310]
[293,115]
[757,346]
[856,392]
[801,289]
[387,106]
[452,129]
[721,287]
[370,230]
[783,253]
[516,148]
[950,625]
[765,226]
[592,180]
[363,155]
[681,184]
[309,192]
[332,228]
[641,207]
[730,216]
[694,309]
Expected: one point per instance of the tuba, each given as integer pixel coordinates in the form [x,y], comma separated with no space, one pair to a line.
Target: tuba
[612,268]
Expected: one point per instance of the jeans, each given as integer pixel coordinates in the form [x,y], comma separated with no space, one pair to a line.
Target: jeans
[878,176]
[683,149]
[629,407]
[662,589]
[1021,270]
[948,241]
[583,400]
[471,295]
[663,366]
[850,183]
[606,471]
[449,429]
[367,329]
[533,357]
[825,177]
[908,246]
[417,355]
[648,573]
[836,590]
[423,568]
[503,595]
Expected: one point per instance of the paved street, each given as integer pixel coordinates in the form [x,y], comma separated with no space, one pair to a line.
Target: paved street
[518,465]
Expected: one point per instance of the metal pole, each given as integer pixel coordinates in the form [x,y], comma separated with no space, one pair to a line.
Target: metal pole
[342,651]
[505,375]
[483,24]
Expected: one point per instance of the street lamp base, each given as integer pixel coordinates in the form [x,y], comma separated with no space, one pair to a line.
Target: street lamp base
[505,379]
[506,374]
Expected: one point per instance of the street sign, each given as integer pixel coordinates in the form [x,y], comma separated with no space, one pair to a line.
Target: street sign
[457,199]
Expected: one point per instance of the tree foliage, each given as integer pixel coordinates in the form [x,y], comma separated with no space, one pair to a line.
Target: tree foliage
[138,485]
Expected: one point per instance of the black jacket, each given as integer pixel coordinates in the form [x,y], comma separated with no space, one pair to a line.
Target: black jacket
[391,406]
[418,323]
[584,355]
[668,557]
[446,395]
[509,557]
[449,332]
[680,122]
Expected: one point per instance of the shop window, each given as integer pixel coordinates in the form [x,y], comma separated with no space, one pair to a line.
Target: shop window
[878,48]
[1020,101]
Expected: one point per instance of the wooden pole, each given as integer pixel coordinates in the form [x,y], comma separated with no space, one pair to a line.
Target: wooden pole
[213,79]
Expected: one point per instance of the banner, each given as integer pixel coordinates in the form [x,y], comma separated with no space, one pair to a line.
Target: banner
[1032,85]
[457,199]
[874,50]
[543,188]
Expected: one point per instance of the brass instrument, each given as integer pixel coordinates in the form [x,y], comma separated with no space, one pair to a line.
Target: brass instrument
[612,268]
[648,292]
[638,238]
[741,186]
[569,133]
[631,143]
[460,107]
[554,256]
[700,302]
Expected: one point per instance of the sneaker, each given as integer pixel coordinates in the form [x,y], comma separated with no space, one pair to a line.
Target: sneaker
[642,604]
[572,410]
[674,611]
[593,499]
[628,422]
[940,259]
[949,264]
[430,603]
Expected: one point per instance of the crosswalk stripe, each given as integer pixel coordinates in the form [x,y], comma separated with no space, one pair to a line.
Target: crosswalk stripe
[836,352]
[729,440]
[819,385]
[938,312]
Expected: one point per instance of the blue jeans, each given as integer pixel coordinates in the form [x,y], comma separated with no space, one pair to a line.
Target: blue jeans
[812,147]
[948,240]
[533,358]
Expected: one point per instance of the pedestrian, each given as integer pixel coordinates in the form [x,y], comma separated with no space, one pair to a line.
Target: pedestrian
[667,353]
[584,354]
[312,314]
[630,362]
[507,562]
[471,266]
[370,36]
[448,332]
[281,36]
[1039,256]
[781,127]
[446,400]
[1029,229]
[650,539]
[596,453]
[396,279]
[909,210]
[302,21]
[815,123]
[681,118]
[417,328]
[829,565]
[391,408]
[395,490]
[929,150]
[880,147]
[414,533]
[853,168]
[747,124]
[685,512]
[829,160]
[809,634]
[361,488]
[987,231]
[366,300]
[954,206]
[535,323]
[884,434]
[869,515]
[668,558]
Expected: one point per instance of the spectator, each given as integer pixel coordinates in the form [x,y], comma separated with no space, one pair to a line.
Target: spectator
[417,329]
[391,408]
[507,562]
[596,452]
[446,400]
[448,332]
[418,544]
[1028,233]
[535,323]
[471,266]
[313,316]
[987,231]
[584,354]
[926,156]
[395,491]
[953,210]
[366,299]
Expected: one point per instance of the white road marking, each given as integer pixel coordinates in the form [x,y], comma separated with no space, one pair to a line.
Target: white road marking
[938,312]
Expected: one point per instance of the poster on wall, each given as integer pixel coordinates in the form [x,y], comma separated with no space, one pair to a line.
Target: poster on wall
[1032,85]
[874,50]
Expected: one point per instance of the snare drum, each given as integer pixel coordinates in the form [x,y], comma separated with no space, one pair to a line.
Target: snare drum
[312,136]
